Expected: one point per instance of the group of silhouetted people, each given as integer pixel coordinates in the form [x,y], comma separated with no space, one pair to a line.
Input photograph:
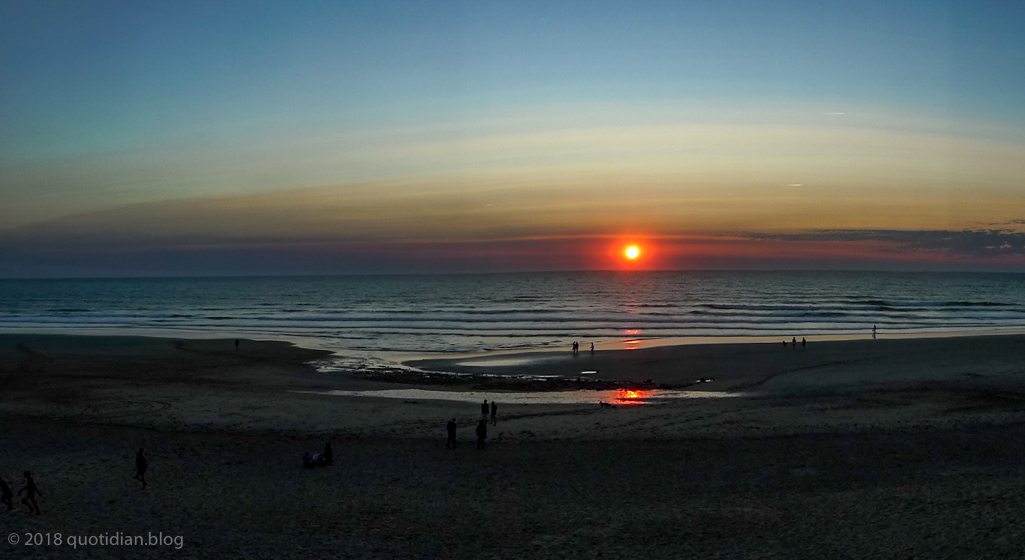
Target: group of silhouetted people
[793,343]
[482,425]
[30,489]
[576,348]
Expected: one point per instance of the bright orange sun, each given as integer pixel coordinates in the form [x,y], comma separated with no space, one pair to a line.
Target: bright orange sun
[632,252]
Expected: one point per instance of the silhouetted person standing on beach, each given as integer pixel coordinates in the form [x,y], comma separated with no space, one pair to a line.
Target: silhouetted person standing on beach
[804,342]
[30,499]
[592,348]
[329,454]
[482,433]
[576,348]
[451,429]
[140,468]
[873,331]
[6,495]
[794,342]
[236,344]
[494,413]
[484,411]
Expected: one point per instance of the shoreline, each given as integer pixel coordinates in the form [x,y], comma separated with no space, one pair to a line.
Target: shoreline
[714,367]
[403,357]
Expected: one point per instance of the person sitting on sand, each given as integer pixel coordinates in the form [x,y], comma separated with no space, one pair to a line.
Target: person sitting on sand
[482,433]
[328,455]
[30,499]
[6,495]
[140,468]
[451,429]
[494,413]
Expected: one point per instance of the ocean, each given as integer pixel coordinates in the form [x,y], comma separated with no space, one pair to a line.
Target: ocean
[427,315]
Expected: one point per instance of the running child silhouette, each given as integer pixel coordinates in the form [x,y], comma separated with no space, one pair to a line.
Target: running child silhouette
[30,499]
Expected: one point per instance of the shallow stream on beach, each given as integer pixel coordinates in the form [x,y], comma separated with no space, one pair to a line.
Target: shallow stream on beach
[618,397]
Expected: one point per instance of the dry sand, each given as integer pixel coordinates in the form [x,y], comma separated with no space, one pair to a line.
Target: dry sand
[859,449]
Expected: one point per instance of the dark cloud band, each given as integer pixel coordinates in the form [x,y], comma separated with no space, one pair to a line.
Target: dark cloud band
[984,243]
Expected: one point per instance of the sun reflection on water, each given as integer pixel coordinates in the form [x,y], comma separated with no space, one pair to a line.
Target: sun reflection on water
[632,396]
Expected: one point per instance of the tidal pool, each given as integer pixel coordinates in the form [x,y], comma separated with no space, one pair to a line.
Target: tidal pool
[583,396]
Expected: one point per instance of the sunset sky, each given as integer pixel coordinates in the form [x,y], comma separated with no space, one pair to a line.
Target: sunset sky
[214,138]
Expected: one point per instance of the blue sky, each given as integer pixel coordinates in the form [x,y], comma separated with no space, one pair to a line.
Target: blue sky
[108,75]
[110,104]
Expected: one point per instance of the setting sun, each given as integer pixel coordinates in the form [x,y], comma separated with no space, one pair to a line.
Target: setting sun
[632,252]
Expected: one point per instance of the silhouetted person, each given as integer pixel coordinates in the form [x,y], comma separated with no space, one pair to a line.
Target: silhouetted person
[329,454]
[140,468]
[784,343]
[592,348]
[494,413]
[794,342]
[236,344]
[484,410]
[873,331]
[482,433]
[30,499]
[804,342]
[451,429]
[6,495]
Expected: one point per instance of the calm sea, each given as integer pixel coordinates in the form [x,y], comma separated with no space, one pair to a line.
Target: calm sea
[372,315]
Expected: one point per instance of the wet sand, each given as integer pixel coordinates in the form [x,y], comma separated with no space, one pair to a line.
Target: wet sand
[766,368]
[856,449]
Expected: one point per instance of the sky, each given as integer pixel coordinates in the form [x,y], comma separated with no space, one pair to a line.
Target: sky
[192,138]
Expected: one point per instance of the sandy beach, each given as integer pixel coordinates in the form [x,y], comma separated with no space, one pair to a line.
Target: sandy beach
[844,449]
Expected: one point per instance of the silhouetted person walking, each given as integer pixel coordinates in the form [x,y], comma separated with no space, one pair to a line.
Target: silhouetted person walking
[482,433]
[494,413]
[6,495]
[592,348]
[484,410]
[576,348]
[451,429]
[804,342]
[30,499]
[873,331]
[140,468]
